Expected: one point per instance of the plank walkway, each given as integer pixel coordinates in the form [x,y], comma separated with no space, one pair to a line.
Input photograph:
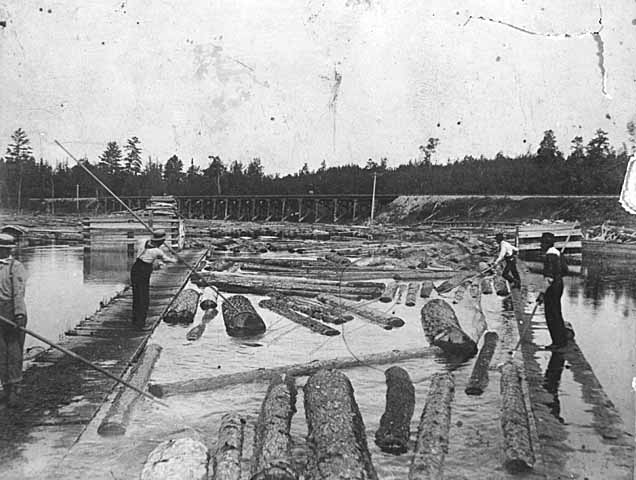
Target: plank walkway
[63,393]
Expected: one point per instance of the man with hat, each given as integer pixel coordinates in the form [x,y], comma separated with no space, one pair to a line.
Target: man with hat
[12,307]
[151,251]
[553,275]
[508,253]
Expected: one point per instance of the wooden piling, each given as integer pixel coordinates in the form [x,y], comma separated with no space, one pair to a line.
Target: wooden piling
[395,425]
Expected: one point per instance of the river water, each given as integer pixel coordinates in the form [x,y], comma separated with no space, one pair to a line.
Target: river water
[65,285]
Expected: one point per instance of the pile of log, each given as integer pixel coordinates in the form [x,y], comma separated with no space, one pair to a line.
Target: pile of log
[282,308]
[370,315]
[240,317]
[184,307]
[395,425]
[336,432]
[442,329]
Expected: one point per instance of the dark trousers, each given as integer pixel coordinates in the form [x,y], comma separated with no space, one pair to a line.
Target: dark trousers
[510,272]
[140,281]
[553,315]
[11,347]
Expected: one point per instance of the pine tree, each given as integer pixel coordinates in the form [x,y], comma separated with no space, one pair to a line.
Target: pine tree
[110,160]
[19,155]
[133,156]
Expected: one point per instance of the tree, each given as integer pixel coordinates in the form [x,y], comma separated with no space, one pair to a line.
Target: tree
[110,160]
[173,173]
[133,156]
[548,151]
[255,169]
[426,152]
[215,171]
[599,147]
[19,156]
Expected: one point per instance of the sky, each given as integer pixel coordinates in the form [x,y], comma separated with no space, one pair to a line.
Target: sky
[302,81]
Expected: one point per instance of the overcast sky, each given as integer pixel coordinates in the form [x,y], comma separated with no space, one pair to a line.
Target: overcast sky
[295,81]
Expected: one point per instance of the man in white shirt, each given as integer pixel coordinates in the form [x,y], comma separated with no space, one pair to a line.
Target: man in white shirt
[508,254]
[140,276]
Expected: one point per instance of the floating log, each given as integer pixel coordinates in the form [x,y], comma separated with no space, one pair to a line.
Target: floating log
[442,329]
[336,434]
[411,294]
[470,317]
[389,292]
[337,259]
[240,317]
[177,459]
[400,293]
[226,461]
[317,310]
[296,370]
[501,286]
[184,307]
[115,421]
[281,308]
[415,275]
[395,424]
[517,441]
[209,298]
[479,377]
[272,442]
[427,289]
[196,331]
[431,444]
[387,322]
[486,286]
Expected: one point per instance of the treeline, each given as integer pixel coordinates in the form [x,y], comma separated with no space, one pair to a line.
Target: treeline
[594,167]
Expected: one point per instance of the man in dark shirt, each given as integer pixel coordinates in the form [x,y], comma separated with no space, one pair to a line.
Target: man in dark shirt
[553,276]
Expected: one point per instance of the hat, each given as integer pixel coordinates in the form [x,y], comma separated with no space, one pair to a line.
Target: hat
[158,236]
[499,237]
[7,241]
[547,238]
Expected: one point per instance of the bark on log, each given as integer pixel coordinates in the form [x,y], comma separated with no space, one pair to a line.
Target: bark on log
[501,286]
[400,293]
[116,420]
[296,370]
[240,317]
[479,378]
[184,307]
[177,459]
[427,289]
[226,461]
[389,292]
[196,331]
[373,316]
[337,259]
[332,272]
[317,310]
[395,424]
[336,434]
[411,294]
[209,298]
[517,441]
[281,308]
[442,329]
[272,442]
[486,286]
[431,445]
[415,275]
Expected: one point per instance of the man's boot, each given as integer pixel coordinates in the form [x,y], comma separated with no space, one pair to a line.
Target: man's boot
[15,398]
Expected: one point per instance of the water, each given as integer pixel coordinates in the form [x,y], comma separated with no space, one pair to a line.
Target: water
[64,286]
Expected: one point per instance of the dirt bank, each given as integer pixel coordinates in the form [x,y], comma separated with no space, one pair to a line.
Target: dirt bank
[588,210]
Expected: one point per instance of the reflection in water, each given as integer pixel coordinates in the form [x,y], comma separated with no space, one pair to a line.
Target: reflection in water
[551,384]
[107,265]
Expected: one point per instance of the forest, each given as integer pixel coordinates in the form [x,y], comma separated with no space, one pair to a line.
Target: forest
[587,168]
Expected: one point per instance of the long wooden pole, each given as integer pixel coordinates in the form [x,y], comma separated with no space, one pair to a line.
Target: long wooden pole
[83,360]
[137,217]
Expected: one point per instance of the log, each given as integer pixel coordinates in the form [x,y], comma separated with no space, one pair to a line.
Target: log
[427,289]
[116,420]
[395,424]
[177,459]
[479,378]
[517,441]
[240,317]
[486,286]
[470,317]
[317,310]
[415,275]
[196,331]
[296,370]
[501,286]
[411,294]
[336,433]
[389,292]
[209,298]
[442,329]
[184,307]
[431,445]
[375,317]
[272,442]
[281,308]
[337,259]
[400,293]
[226,461]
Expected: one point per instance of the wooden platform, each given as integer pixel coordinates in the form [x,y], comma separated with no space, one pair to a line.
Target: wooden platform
[63,393]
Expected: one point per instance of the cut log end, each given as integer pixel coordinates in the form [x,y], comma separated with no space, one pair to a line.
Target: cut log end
[108,429]
[208,304]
